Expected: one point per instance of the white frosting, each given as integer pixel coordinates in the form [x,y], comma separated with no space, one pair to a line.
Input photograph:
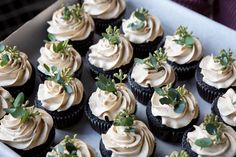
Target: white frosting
[5,101]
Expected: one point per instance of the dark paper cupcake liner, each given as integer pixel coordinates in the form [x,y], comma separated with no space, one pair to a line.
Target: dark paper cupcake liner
[186,146]
[38,151]
[163,132]
[108,153]
[66,118]
[27,88]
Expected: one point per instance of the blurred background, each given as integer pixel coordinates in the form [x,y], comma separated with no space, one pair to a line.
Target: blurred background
[14,13]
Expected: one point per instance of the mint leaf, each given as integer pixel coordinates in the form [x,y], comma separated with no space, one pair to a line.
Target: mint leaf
[68,89]
[180,107]
[211,128]
[46,67]
[138,60]
[203,142]
[2,47]
[106,84]
[136,26]
[165,100]
[4,60]
[139,16]
[19,100]
[189,41]
[159,91]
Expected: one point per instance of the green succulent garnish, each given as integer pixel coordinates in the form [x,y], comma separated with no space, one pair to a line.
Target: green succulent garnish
[19,110]
[105,83]
[185,38]
[140,14]
[182,153]
[120,76]
[126,119]
[74,11]
[112,35]
[173,97]
[213,127]
[7,53]
[225,58]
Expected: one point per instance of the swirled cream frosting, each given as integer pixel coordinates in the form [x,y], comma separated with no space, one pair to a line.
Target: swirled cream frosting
[5,101]
[104,9]
[54,97]
[138,143]
[108,104]
[213,74]
[27,135]
[110,56]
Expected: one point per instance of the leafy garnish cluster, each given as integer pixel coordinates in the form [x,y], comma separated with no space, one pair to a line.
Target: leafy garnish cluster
[214,128]
[155,60]
[19,110]
[63,77]
[185,38]
[74,11]
[173,97]
[112,35]
[182,153]
[7,53]
[140,14]
[126,119]
[225,59]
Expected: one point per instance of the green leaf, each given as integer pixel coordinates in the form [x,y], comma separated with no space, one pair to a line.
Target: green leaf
[51,37]
[2,47]
[68,89]
[105,83]
[159,91]
[18,113]
[46,67]
[9,110]
[66,13]
[173,94]
[203,142]
[54,69]
[60,149]
[136,26]
[153,60]
[70,147]
[234,102]
[19,100]
[165,100]
[189,41]
[139,16]
[180,107]
[211,129]
[25,115]
[138,61]
[4,60]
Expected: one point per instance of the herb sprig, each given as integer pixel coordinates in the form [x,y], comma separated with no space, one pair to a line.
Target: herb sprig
[112,35]
[74,11]
[140,14]
[185,38]
[7,53]
[105,83]
[225,58]
[182,153]
[120,76]
[124,118]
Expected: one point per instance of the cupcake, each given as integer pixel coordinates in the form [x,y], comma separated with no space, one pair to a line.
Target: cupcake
[59,54]
[71,147]
[105,12]
[127,137]
[182,153]
[27,130]
[210,139]
[111,53]
[16,72]
[72,23]
[171,112]
[108,100]
[184,51]
[149,73]
[215,75]
[62,96]
[144,32]
[225,108]
[6,101]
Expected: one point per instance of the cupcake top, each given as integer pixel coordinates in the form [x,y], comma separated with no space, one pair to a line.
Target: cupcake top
[182,153]
[15,69]
[110,98]
[153,71]
[227,107]
[182,47]
[142,27]
[219,71]
[176,107]
[73,147]
[71,23]
[61,91]
[112,51]
[212,138]
[104,9]
[5,101]
[59,54]
[129,137]
[25,127]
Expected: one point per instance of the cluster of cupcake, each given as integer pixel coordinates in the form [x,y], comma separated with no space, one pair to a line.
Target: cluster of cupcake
[152,73]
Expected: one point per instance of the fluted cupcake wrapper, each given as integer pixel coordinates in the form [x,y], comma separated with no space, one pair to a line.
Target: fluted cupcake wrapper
[186,146]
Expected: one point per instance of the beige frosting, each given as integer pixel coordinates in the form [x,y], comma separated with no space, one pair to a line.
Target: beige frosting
[28,135]
[181,54]
[107,104]
[214,76]
[104,9]
[73,29]
[169,117]
[82,149]
[16,72]
[145,76]
[224,149]
[108,56]
[151,30]
[139,143]
[226,107]
[71,60]
[5,101]
[54,98]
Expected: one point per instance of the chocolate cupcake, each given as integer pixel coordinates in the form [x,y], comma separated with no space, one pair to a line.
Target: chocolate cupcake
[210,139]
[72,23]
[108,100]
[16,73]
[6,101]
[27,130]
[215,75]
[62,96]
[136,141]
[144,32]
[105,13]
[224,107]
[150,73]
[184,51]
[61,55]
[73,147]
[182,153]
[111,53]
[171,112]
